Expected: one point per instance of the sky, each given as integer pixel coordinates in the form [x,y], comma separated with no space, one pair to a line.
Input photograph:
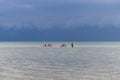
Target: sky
[59,20]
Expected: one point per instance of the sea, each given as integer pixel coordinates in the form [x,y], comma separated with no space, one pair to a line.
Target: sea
[85,61]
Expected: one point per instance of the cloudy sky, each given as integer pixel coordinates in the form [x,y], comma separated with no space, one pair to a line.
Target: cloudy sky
[44,19]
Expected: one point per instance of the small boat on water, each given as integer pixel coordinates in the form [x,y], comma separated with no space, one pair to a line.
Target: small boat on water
[48,45]
[63,45]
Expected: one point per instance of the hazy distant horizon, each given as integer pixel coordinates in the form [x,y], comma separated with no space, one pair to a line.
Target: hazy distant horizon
[61,34]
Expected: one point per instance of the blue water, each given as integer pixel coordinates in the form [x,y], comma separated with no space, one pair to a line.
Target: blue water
[86,61]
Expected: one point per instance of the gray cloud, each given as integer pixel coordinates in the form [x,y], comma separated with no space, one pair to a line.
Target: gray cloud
[62,13]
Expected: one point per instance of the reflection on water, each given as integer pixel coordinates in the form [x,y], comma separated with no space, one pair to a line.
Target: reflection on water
[33,62]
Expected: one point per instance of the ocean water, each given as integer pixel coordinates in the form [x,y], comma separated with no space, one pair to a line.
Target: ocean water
[86,61]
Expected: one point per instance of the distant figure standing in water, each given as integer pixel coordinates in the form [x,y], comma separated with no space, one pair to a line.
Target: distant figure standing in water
[72,45]
[45,45]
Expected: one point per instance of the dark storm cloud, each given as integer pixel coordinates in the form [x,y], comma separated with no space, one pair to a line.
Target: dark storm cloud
[55,13]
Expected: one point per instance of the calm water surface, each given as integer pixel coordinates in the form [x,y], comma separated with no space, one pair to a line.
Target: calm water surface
[86,61]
